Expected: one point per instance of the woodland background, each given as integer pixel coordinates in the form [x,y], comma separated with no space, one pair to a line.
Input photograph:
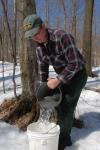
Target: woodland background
[78,17]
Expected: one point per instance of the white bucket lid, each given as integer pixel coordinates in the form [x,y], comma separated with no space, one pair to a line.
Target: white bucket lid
[43,129]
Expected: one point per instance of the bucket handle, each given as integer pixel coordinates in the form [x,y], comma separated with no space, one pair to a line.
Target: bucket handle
[50,129]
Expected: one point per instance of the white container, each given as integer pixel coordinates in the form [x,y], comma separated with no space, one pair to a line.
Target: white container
[43,136]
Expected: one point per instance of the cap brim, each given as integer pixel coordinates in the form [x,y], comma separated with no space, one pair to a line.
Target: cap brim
[31,33]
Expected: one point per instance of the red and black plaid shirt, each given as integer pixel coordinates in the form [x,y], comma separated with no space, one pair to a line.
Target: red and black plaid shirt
[60,51]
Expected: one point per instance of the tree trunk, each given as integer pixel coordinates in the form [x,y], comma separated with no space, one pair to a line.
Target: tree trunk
[87,34]
[27,52]
[46,13]
[24,110]
[74,17]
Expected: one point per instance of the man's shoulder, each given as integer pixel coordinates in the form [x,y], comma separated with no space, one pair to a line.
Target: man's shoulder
[58,33]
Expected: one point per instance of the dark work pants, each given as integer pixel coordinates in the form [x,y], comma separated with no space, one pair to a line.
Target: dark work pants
[71,93]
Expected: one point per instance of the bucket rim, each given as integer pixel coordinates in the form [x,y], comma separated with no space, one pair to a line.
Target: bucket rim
[43,134]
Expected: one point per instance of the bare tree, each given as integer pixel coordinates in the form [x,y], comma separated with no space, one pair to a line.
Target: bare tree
[14,50]
[2,51]
[24,110]
[3,44]
[13,43]
[47,12]
[94,44]
[74,17]
[27,51]
[87,34]
[62,3]
[7,22]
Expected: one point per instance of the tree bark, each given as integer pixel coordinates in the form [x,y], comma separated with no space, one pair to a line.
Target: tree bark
[24,110]
[74,17]
[87,34]
[27,52]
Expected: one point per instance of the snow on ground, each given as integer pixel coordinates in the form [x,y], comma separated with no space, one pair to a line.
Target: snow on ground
[88,109]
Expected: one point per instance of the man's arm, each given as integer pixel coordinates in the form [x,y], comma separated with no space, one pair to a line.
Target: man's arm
[71,68]
[43,66]
[72,58]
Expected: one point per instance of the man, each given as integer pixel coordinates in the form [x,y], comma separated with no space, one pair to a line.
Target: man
[58,48]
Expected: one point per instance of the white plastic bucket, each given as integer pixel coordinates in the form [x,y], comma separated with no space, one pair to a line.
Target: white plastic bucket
[43,136]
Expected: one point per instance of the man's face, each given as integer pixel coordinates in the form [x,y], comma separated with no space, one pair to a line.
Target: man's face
[41,36]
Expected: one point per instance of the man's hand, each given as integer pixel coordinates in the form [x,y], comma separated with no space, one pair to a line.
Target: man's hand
[53,83]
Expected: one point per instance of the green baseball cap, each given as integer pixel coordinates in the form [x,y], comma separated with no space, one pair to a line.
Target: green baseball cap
[31,25]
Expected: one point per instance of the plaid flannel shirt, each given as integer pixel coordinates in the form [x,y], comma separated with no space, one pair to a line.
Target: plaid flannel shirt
[60,51]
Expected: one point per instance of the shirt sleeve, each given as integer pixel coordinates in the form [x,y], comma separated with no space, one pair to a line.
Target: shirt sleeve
[43,66]
[71,56]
